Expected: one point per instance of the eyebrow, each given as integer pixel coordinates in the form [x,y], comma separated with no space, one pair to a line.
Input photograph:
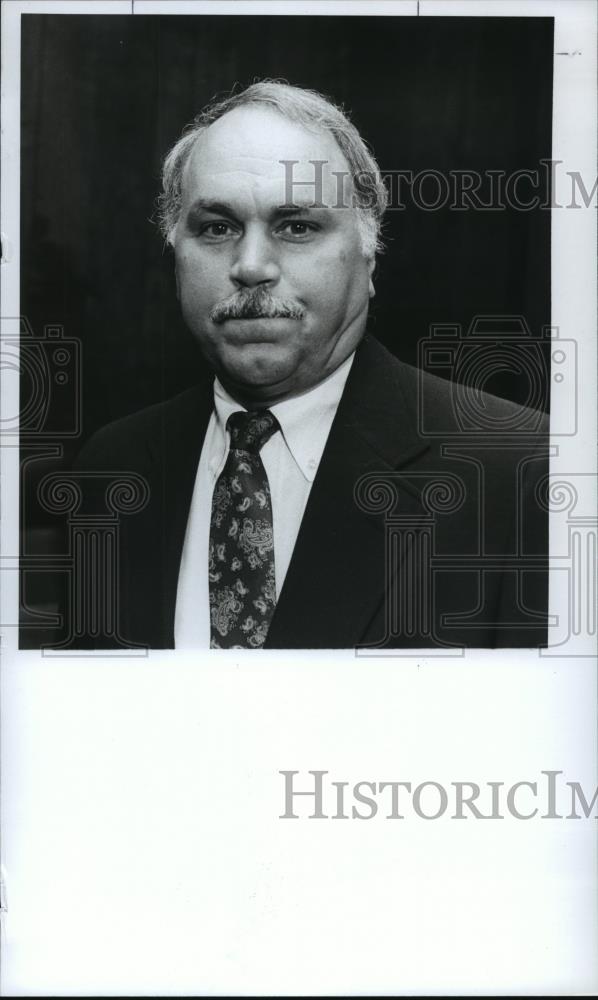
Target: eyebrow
[283,210]
[221,208]
[207,205]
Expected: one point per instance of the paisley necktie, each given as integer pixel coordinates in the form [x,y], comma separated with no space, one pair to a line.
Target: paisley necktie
[241,560]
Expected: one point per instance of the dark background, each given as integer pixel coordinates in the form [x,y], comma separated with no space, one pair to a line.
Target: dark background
[103,99]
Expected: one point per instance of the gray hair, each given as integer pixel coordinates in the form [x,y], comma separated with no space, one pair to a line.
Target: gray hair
[307,108]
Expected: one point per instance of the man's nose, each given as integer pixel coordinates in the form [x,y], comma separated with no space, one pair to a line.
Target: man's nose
[255,261]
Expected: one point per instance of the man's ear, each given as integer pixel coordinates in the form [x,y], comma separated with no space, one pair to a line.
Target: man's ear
[371,269]
[176,270]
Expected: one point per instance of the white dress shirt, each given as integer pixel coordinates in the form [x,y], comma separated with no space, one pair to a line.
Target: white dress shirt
[291,458]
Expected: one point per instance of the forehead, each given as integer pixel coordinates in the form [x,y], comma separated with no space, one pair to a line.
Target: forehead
[247,147]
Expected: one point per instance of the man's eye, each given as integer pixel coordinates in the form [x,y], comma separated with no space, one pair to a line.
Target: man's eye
[216,230]
[298,230]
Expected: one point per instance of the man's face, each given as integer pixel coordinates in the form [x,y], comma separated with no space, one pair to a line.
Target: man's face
[275,292]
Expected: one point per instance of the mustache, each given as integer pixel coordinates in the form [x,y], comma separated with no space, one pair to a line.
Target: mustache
[255,303]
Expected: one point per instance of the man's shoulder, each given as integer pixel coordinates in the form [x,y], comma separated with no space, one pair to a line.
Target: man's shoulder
[134,440]
[440,404]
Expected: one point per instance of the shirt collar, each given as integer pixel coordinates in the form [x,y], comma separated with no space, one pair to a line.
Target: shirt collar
[305,420]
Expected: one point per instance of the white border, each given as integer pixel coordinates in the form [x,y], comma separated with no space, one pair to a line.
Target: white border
[314,8]
[127,867]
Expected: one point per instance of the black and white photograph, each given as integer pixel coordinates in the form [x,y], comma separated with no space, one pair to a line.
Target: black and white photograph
[299,535]
[313,354]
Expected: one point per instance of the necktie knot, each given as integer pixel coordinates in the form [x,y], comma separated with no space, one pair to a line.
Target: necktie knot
[249,431]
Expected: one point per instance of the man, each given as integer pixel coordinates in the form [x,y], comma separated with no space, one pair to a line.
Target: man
[264,526]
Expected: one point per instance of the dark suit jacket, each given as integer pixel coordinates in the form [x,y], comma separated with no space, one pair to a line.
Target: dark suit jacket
[409,539]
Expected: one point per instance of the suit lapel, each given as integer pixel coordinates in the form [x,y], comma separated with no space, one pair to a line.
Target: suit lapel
[182,441]
[336,579]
